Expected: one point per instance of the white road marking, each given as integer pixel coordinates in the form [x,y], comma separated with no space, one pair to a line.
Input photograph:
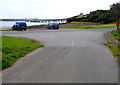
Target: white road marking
[72,42]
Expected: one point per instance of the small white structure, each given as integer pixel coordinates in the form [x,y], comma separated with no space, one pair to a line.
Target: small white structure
[81,15]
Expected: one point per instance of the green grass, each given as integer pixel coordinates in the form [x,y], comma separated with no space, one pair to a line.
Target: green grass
[6,30]
[0,43]
[115,50]
[0,52]
[116,34]
[85,22]
[94,26]
[16,47]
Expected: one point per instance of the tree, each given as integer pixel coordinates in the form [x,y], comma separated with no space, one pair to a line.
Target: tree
[101,16]
[115,11]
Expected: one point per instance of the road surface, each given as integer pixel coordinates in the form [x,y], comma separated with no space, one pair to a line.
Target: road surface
[68,56]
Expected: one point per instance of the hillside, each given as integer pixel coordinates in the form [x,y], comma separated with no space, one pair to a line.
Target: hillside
[99,16]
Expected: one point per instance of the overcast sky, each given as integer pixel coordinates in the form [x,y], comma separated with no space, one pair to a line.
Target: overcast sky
[50,9]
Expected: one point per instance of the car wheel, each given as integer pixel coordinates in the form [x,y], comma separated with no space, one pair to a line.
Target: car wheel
[24,29]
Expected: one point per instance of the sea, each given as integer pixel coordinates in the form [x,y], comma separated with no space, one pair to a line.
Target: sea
[5,25]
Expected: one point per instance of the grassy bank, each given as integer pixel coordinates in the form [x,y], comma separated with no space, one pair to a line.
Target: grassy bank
[95,26]
[116,34]
[115,49]
[16,47]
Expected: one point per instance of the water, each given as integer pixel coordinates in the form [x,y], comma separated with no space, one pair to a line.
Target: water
[8,24]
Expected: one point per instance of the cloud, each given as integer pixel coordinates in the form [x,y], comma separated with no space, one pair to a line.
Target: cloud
[51,8]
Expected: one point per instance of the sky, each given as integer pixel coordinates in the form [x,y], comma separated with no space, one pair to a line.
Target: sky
[50,9]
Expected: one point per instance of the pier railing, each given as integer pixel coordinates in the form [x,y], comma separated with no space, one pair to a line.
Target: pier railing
[36,20]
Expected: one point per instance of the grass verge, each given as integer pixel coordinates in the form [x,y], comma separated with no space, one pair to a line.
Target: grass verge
[115,49]
[6,30]
[16,47]
[94,26]
[86,22]
[116,34]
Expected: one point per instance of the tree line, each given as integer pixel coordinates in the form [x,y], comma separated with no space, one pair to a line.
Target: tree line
[100,16]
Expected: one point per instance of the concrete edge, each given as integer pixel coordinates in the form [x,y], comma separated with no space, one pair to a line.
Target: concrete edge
[109,37]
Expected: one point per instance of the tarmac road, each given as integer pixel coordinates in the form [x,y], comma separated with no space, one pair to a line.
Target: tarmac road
[74,56]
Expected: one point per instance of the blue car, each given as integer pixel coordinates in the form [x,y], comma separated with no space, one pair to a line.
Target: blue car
[19,26]
[53,26]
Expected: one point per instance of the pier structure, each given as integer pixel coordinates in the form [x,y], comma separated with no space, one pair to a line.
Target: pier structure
[37,20]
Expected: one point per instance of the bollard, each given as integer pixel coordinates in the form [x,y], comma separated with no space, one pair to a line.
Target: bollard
[117,24]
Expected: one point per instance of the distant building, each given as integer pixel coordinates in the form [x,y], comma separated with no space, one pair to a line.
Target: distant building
[81,15]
